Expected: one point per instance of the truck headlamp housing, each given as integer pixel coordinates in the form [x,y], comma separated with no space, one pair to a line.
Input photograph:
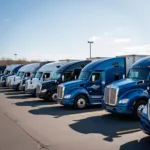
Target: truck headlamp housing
[144,110]
[43,91]
[123,101]
[67,96]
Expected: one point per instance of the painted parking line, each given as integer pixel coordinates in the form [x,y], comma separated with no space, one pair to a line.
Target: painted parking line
[127,131]
[88,113]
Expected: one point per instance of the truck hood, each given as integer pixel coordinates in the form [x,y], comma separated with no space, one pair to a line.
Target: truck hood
[17,78]
[48,82]
[125,83]
[73,83]
[35,81]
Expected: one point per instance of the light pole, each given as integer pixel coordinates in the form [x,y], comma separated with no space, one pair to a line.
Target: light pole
[90,42]
[15,56]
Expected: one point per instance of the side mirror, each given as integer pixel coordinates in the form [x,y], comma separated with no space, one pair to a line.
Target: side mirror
[63,78]
[123,76]
[103,83]
[93,78]
[75,77]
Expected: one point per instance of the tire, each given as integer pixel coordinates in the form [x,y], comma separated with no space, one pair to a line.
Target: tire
[51,97]
[81,102]
[139,104]
[17,88]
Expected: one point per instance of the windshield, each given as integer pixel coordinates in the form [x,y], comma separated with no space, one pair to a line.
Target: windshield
[141,74]
[84,75]
[56,75]
[6,72]
[17,73]
[21,74]
[38,75]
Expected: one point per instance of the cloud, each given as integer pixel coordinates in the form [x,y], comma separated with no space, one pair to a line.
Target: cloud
[119,29]
[140,49]
[106,33]
[122,40]
[94,38]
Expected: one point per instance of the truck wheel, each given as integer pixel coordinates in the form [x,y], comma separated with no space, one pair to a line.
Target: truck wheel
[54,96]
[81,102]
[17,88]
[51,97]
[138,106]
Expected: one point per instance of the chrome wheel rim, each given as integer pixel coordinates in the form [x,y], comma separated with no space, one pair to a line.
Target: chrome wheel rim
[140,108]
[81,103]
[54,97]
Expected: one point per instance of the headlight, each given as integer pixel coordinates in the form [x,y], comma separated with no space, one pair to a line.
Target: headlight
[67,96]
[145,110]
[123,101]
[45,90]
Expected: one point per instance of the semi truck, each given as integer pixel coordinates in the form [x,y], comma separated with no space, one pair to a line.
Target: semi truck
[9,71]
[145,118]
[43,74]
[129,96]
[70,71]
[89,88]
[2,69]
[26,72]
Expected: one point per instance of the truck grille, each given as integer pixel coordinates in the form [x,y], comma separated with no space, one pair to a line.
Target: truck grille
[110,95]
[60,92]
[38,89]
[7,82]
[26,86]
[1,79]
[149,110]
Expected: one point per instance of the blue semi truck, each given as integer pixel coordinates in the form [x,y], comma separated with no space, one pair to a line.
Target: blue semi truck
[47,90]
[145,119]
[2,69]
[89,88]
[129,96]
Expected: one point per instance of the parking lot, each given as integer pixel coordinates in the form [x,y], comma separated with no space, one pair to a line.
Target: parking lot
[55,127]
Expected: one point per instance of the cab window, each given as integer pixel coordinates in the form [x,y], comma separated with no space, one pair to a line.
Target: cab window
[28,74]
[96,76]
[46,75]
[116,76]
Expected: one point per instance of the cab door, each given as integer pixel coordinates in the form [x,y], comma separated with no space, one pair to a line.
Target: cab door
[95,87]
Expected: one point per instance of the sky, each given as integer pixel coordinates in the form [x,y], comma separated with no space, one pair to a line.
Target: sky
[60,29]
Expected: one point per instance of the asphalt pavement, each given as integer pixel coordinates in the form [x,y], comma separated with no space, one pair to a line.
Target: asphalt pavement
[30,123]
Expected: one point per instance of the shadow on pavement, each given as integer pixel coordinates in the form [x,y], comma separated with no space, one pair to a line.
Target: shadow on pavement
[19,96]
[143,144]
[59,111]
[6,90]
[34,103]
[15,93]
[111,126]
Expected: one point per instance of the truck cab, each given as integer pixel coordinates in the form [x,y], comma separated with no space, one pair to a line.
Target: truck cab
[145,119]
[9,72]
[2,69]
[129,95]
[43,74]
[68,72]
[89,87]
[26,72]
